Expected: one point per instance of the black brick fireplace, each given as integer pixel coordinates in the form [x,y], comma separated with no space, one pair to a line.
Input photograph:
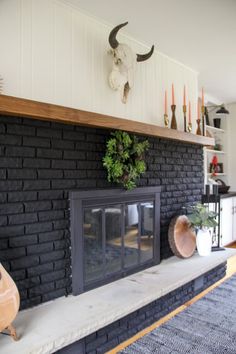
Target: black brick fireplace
[40,163]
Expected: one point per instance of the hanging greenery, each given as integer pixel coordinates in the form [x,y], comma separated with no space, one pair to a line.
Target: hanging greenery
[124,159]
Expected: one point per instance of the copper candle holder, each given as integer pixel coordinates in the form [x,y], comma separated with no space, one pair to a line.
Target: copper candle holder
[173,118]
[185,119]
[203,120]
[166,120]
[198,132]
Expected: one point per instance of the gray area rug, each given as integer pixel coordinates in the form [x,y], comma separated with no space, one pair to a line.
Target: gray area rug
[206,327]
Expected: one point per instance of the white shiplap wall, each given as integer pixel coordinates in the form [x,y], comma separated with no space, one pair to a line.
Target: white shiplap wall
[52,52]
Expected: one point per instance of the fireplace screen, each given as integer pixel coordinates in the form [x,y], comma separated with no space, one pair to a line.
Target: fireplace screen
[114,233]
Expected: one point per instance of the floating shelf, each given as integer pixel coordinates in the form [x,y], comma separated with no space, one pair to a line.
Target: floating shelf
[14,106]
[218,174]
[215,151]
[217,130]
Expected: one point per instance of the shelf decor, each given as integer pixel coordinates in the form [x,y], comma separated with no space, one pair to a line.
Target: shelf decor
[173,124]
[213,166]
[198,132]
[215,163]
[185,110]
[185,119]
[166,119]
[189,127]
[216,168]
[173,118]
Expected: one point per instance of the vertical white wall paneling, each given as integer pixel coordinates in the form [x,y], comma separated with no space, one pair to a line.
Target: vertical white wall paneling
[62,75]
[80,63]
[52,52]
[43,58]
[10,39]
[26,49]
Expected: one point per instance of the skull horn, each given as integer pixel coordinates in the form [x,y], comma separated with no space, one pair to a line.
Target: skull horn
[142,57]
[112,37]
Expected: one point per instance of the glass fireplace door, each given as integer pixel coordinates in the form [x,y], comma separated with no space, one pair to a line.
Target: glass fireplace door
[113,236]
[117,239]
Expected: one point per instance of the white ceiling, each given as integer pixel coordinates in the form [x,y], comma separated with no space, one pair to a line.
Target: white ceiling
[198,33]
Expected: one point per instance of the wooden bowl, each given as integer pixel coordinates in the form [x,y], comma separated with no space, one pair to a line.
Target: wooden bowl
[182,238]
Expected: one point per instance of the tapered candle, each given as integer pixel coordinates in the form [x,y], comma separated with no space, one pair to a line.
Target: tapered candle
[198,110]
[189,112]
[165,102]
[184,96]
[173,95]
[202,97]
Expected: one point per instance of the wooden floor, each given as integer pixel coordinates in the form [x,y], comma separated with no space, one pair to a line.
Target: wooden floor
[231,269]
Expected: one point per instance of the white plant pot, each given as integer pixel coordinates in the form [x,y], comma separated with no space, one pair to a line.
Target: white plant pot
[204,242]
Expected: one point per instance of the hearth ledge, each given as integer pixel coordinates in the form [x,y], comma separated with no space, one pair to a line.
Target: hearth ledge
[56,324]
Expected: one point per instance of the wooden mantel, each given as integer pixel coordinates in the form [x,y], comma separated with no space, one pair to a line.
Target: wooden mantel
[14,106]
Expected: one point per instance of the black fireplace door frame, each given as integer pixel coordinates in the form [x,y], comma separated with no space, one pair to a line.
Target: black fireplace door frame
[79,200]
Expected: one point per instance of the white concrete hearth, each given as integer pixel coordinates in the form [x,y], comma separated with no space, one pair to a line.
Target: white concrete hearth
[51,326]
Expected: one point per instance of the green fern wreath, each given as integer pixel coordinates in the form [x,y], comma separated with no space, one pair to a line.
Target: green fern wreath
[124,159]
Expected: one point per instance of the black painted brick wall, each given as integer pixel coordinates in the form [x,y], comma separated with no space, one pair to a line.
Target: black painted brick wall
[117,332]
[40,162]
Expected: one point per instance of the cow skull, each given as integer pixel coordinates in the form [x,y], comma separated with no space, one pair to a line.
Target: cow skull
[124,61]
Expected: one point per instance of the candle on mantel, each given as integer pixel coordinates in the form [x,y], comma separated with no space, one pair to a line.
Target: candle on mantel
[173,95]
[184,96]
[165,102]
[198,110]
[189,112]
[202,97]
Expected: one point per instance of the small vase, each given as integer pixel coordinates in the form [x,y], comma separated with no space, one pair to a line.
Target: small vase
[204,242]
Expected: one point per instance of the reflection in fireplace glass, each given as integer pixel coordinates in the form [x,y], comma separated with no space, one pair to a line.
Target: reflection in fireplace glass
[146,234]
[113,239]
[138,238]
[117,237]
[131,242]
[93,248]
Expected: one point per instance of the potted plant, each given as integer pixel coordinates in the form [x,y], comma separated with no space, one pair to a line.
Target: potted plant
[202,220]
